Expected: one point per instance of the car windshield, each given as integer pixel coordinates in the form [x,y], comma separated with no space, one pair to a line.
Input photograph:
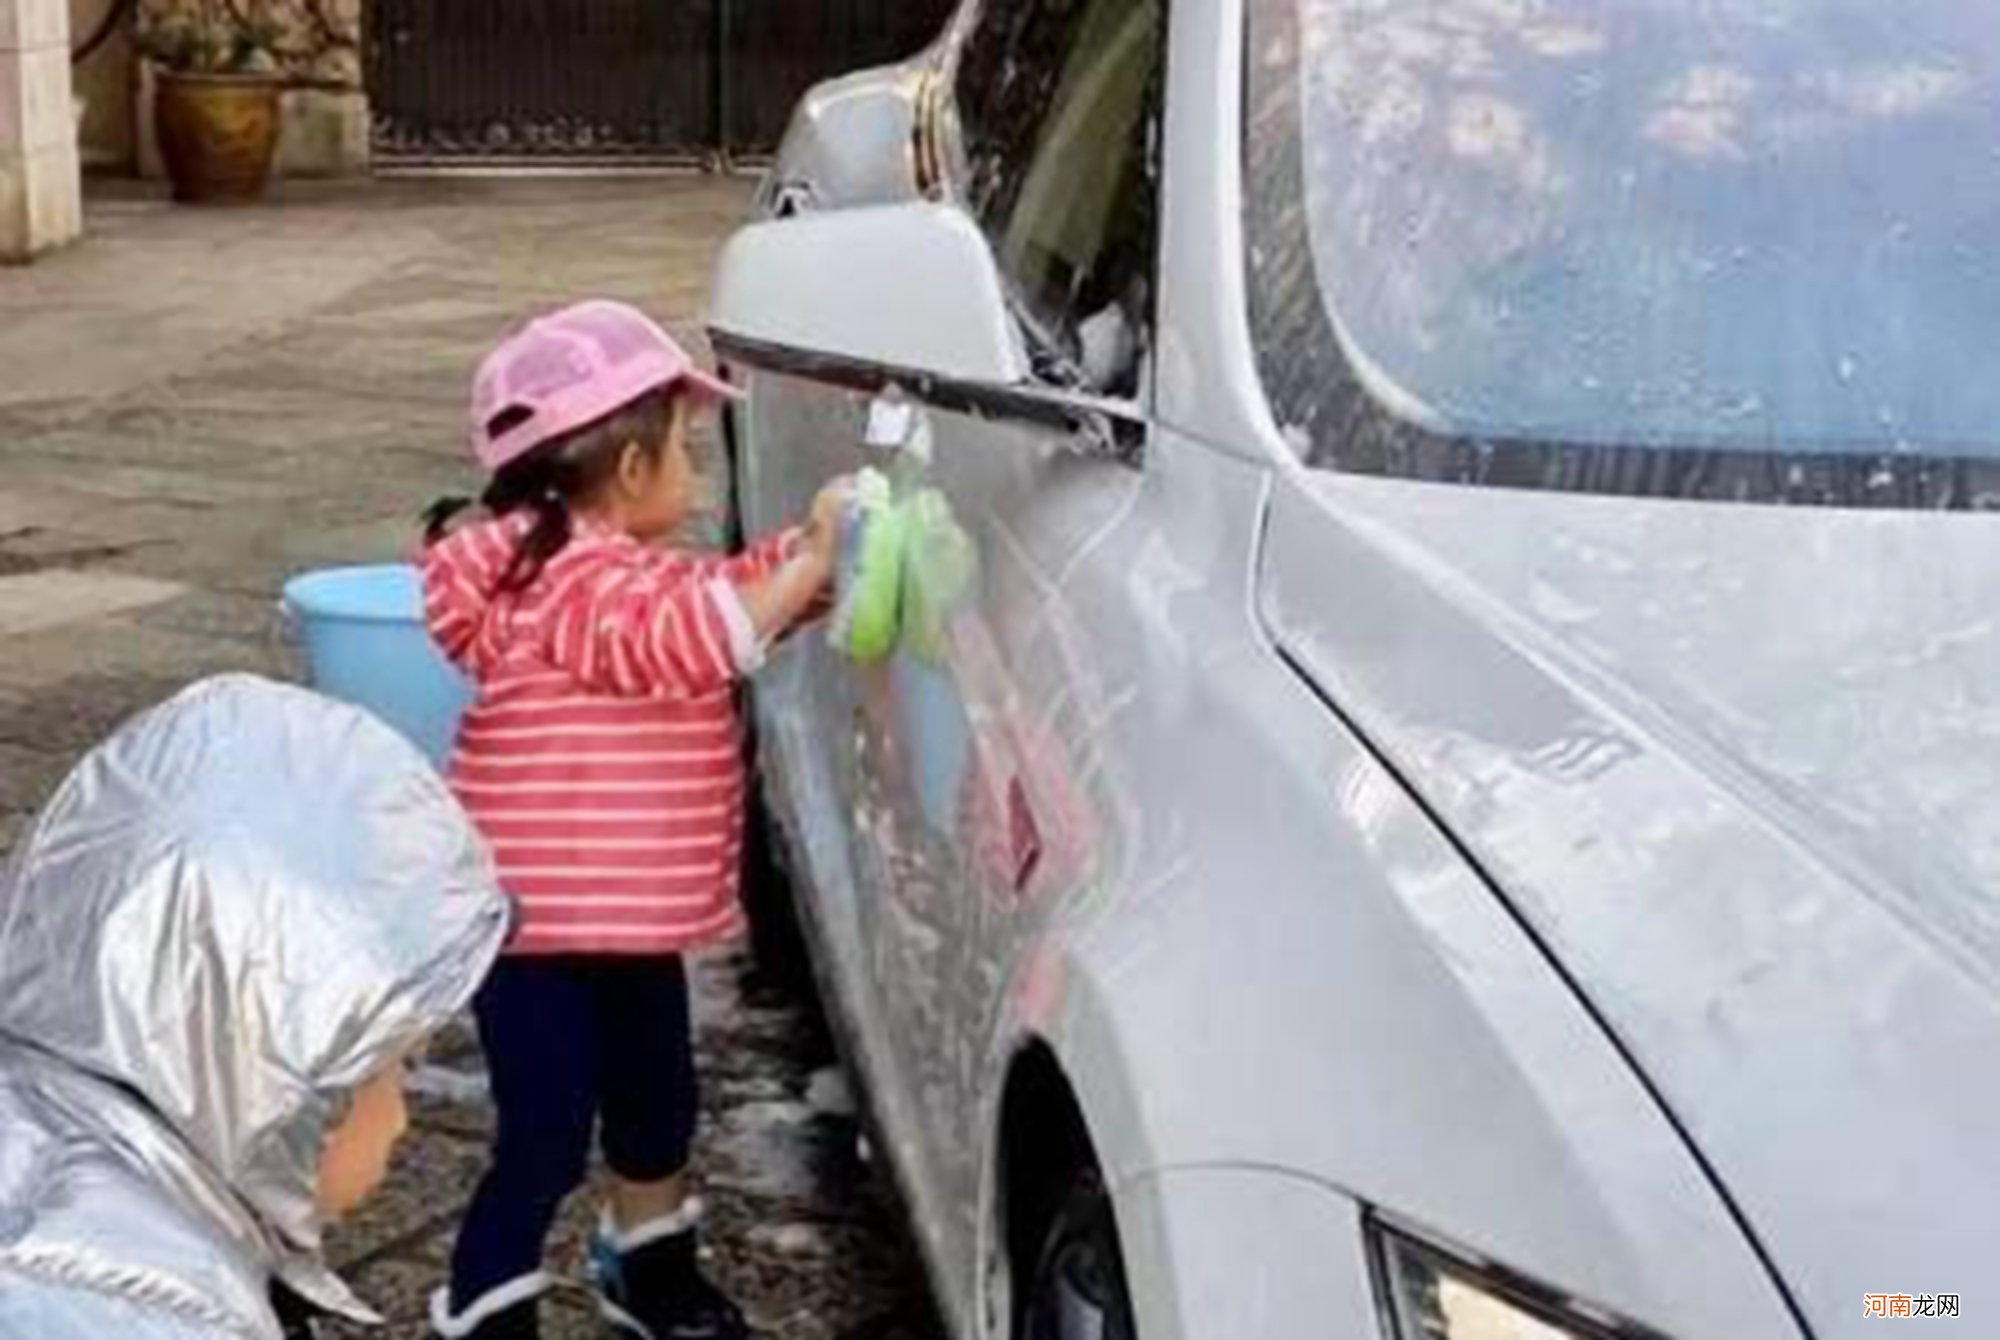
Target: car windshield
[1764,224]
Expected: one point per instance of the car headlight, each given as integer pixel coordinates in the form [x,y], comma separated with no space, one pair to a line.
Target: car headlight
[1430,1294]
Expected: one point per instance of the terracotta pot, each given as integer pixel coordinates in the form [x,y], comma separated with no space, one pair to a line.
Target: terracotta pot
[218,134]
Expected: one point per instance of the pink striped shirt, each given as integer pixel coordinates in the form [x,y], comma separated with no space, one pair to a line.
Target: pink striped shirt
[602,755]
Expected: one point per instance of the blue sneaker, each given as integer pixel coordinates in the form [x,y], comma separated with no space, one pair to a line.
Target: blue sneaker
[650,1285]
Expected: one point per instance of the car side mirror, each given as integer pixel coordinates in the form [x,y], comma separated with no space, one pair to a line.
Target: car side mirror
[906,291]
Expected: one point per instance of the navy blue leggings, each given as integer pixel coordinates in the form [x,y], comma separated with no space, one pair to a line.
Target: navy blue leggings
[572,1041]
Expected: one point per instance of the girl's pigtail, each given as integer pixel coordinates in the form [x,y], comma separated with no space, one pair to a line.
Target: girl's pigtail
[545,480]
[437,518]
[545,539]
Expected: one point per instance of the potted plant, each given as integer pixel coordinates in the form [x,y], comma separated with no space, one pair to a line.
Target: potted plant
[215,101]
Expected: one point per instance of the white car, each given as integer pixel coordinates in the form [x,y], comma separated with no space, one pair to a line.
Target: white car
[1442,776]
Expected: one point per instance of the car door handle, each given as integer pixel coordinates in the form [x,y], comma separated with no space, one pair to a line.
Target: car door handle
[898,425]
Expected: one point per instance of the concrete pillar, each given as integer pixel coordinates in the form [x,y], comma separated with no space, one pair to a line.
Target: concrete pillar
[41,183]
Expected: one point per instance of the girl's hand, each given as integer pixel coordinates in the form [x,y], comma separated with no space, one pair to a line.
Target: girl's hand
[823,526]
[777,603]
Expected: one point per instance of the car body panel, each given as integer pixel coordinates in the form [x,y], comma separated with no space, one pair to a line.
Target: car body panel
[1734,765]
[1138,967]
[1291,947]
[816,741]
[937,755]
[1245,1253]
[949,315]
[1207,384]
[1272,927]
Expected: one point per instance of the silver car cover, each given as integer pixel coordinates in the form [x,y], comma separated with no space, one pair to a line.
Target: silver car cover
[240,906]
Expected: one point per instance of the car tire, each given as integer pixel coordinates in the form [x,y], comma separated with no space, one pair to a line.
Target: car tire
[1079,1290]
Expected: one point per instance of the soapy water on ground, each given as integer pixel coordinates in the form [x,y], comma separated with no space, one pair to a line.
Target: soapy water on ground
[803,1232]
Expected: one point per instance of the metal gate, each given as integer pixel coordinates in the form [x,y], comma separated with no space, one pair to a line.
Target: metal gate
[608,82]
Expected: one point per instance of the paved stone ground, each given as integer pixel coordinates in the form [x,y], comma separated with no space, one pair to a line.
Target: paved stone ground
[194,405]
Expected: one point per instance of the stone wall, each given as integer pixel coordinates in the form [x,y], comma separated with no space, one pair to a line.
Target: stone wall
[318,42]
[326,129]
[104,83]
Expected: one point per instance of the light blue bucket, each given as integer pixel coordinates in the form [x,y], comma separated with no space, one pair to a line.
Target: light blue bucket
[365,643]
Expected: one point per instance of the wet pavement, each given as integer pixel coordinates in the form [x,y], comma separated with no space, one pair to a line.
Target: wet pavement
[195,405]
[805,1235]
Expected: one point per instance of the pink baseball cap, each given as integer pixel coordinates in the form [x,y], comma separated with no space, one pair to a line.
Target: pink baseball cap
[567,370]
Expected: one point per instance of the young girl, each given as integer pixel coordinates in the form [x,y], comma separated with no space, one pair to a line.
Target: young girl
[601,759]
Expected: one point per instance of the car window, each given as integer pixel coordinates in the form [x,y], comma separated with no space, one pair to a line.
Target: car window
[1634,248]
[1056,124]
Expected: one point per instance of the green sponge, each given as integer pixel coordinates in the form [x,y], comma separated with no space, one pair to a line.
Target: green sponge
[939,565]
[868,582]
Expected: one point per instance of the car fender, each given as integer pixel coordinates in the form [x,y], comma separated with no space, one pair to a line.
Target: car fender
[1293,968]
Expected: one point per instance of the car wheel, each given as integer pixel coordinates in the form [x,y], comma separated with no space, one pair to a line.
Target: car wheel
[1079,1289]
